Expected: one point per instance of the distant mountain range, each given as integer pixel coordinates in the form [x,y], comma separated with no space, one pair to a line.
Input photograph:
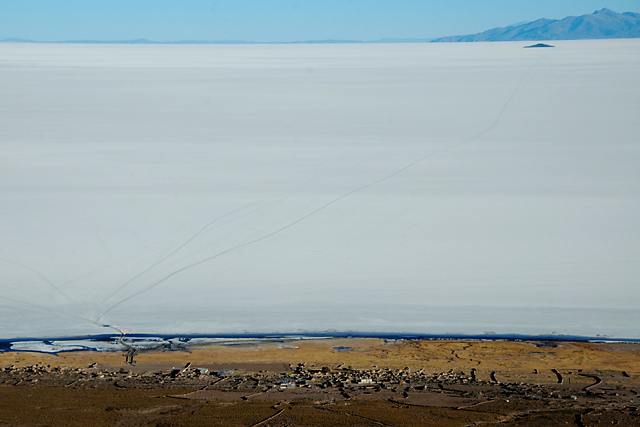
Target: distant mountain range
[136,41]
[602,24]
[145,41]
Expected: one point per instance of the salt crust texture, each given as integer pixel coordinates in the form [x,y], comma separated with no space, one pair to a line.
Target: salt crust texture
[434,188]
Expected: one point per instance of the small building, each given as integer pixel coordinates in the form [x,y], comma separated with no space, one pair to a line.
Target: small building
[291,383]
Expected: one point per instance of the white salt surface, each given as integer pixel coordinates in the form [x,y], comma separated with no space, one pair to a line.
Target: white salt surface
[60,346]
[430,188]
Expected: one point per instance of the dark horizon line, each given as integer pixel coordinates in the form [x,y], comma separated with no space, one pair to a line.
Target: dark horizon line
[336,334]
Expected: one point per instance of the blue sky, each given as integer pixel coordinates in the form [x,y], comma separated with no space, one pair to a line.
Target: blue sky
[276,20]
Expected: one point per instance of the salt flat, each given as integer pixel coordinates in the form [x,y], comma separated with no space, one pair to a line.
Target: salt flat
[433,188]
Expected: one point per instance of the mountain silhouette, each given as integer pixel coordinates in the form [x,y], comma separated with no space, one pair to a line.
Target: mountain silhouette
[602,24]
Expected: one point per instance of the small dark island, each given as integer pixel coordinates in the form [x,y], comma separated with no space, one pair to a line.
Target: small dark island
[539,45]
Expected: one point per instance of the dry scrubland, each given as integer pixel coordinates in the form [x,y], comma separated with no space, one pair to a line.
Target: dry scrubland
[364,353]
[413,383]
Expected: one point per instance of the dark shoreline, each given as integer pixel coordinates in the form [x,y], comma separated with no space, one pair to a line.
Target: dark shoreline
[6,343]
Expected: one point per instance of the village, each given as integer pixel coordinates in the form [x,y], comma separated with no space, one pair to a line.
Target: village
[293,391]
[346,381]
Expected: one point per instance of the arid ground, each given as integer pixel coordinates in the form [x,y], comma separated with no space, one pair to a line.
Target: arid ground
[367,382]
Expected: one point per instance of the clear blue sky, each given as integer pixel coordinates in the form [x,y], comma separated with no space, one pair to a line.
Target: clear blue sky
[276,20]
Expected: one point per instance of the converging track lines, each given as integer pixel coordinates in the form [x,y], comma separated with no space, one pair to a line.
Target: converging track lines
[310,213]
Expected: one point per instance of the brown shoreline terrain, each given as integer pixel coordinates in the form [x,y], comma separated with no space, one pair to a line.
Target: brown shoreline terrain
[347,381]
